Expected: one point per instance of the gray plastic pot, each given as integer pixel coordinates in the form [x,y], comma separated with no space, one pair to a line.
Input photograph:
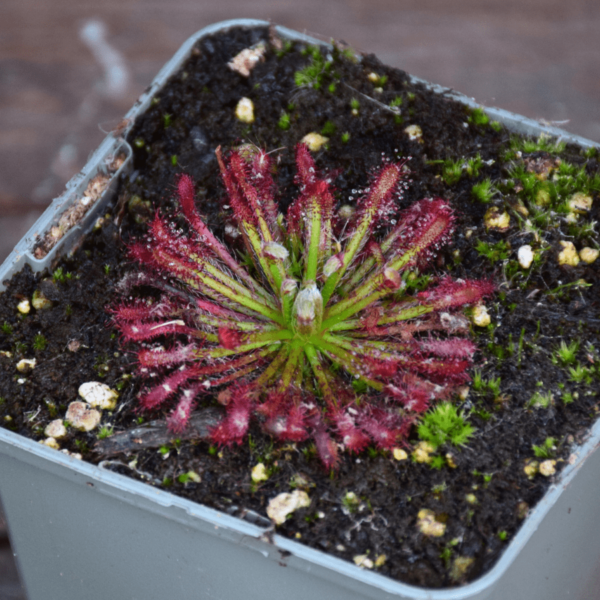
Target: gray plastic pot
[82,532]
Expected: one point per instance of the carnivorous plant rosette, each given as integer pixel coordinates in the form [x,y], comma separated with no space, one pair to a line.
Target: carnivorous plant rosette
[314,335]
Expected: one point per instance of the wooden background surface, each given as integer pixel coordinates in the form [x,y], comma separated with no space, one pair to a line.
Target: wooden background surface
[540,58]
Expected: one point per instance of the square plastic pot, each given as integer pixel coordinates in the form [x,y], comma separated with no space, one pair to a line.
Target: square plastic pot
[79,531]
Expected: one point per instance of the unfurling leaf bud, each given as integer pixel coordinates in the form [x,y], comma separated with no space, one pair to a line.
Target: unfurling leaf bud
[308,310]
[275,251]
[391,279]
[289,287]
[335,263]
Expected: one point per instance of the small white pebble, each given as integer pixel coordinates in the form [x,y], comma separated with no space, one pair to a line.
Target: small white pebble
[525,256]
[314,141]
[373,77]
[427,524]
[98,394]
[259,473]
[39,301]
[24,307]
[75,455]
[284,504]
[363,561]
[422,452]
[480,316]
[81,417]
[51,443]
[244,110]
[531,468]
[74,345]
[547,468]
[193,476]
[380,560]
[414,132]
[56,429]
[247,59]
[26,364]
[568,255]
[580,203]
[589,255]
[494,218]
[399,454]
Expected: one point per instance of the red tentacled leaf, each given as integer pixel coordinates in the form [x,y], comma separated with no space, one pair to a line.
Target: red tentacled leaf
[229,338]
[180,415]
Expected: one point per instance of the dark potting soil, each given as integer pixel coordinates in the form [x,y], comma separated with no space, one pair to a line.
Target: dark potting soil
[481,493]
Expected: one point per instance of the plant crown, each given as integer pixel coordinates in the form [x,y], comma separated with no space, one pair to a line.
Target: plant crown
[320,305]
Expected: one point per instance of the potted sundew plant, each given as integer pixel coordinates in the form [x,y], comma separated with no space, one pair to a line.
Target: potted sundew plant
[326,310]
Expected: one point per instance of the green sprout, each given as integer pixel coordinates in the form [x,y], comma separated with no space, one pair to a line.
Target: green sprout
[313,74]
[493,252]
[566,354]
[541,400]
[105,431]
[580,374]
[284,121]
[6,328]
[39,342]
[452,171]
[328,129]
[545,450]
[478,117]
[544,143]
[444,424]
[484,191]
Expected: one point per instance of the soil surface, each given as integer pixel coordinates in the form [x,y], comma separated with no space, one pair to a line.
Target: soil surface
[481,493]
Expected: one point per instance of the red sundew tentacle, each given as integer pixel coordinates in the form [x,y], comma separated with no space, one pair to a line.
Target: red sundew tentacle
[432,224]
[273,403]
[159,357]
[180,415]
[185,189]
[413,392]
[230,338]
[306,172]
[233,428]
[379,203]
[449,368]
[326,446]
[451,348]
[241,210]
[453,293]
[159,394]
[290,426]
[141,311]
[261,172]
[352,437]
[384,428]
[139,332]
